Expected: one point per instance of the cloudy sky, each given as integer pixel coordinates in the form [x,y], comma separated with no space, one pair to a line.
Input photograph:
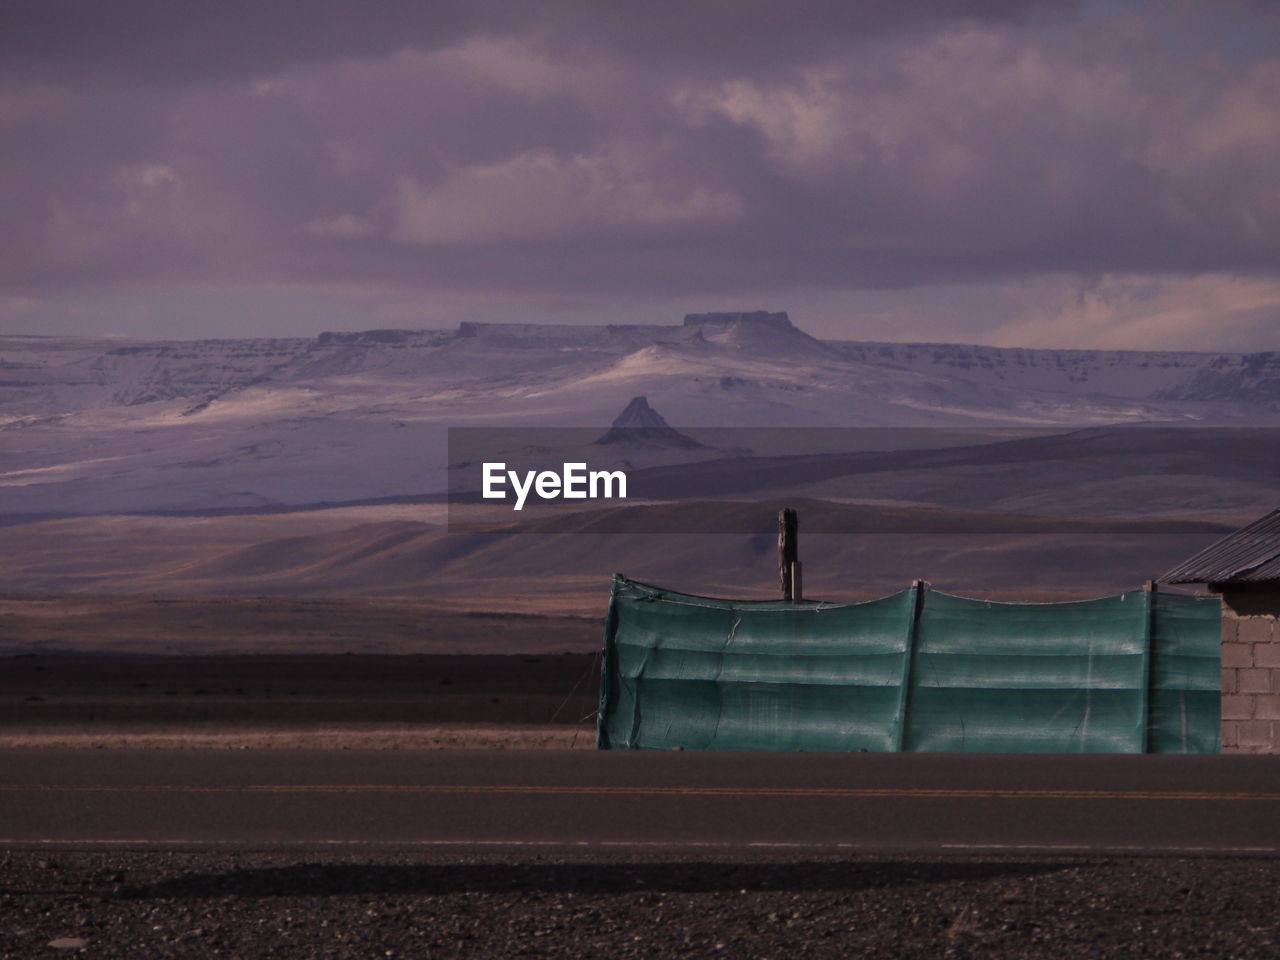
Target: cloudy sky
[1016,172]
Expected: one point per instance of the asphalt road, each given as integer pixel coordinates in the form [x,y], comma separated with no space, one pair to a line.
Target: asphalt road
[942,803]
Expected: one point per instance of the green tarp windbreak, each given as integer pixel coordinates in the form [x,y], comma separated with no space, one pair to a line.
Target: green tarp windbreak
[916,671]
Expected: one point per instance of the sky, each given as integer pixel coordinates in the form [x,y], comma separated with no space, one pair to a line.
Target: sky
[1098,174]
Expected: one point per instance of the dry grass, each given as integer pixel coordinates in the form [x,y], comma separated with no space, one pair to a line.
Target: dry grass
[443,737]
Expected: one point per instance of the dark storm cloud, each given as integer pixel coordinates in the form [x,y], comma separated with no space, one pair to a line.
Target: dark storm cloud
[579,149]
[162,40]
[146,41]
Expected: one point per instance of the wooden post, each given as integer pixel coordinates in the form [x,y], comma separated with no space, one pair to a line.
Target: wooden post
[788,552]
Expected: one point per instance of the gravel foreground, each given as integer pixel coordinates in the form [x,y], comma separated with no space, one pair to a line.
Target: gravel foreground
[123,904]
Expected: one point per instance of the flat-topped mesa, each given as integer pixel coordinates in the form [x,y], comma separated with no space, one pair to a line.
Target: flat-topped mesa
[758,332]
[779,321]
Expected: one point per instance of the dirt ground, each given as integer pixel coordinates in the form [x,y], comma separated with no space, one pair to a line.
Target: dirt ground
[537,701]
[290,625]
[282,672]
[455,737]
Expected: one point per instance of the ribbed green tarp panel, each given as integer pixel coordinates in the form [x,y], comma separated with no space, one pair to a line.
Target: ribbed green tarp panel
[919,670]
[714,674]
[1186,678]
[1044,678]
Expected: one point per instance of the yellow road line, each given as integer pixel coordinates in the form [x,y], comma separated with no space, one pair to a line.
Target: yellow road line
[854,793]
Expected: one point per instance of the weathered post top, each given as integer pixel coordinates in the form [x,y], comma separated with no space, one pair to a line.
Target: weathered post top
[788,554]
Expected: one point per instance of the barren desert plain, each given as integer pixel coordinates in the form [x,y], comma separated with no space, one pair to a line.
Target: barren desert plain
[986,291]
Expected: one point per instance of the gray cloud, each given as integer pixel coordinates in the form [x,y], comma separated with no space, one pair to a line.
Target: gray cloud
[146,41]
[700,150]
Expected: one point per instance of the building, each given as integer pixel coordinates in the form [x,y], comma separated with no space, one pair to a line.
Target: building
[1244,570]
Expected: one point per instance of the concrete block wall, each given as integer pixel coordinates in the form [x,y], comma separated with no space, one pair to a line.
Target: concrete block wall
[1250,681]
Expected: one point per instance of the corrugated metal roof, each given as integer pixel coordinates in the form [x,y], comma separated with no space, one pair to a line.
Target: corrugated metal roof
[1250,555]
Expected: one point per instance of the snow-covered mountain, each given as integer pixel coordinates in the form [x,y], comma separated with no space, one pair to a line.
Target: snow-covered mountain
[105,425]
